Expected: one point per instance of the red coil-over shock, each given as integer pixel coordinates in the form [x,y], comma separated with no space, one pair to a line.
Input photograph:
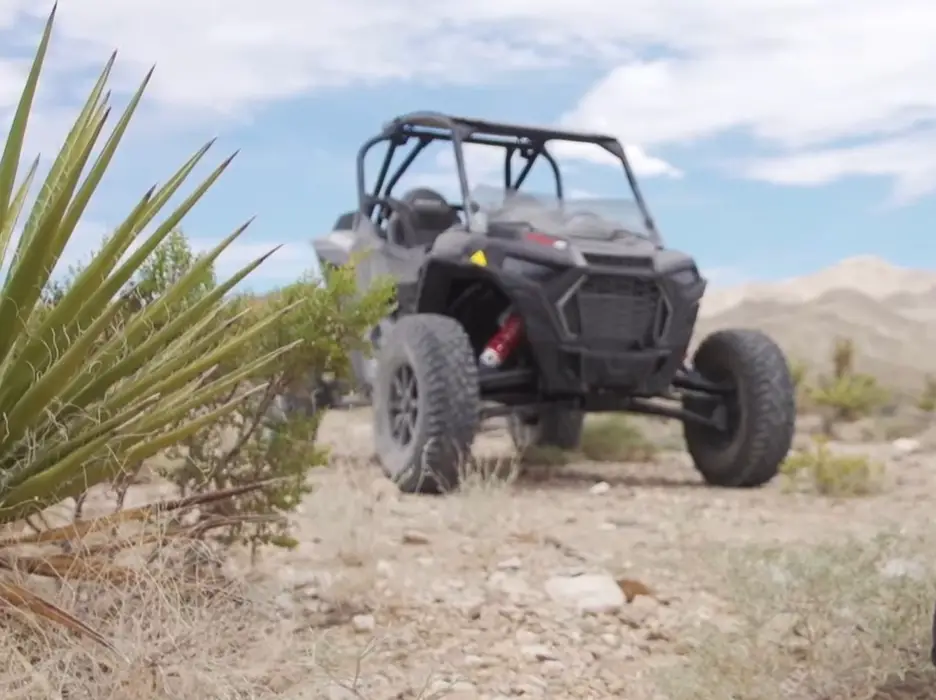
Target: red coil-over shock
[503,342]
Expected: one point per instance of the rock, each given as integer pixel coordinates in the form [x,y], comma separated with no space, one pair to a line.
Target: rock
[588,593]
[903,568]
[384,568]
[474,661]
[632,588]
[510,564]
[415,537]
[538,652]
[511,584]
[553,667]
[599,489]
[363,623]
[639,611]
[462,690]
[905,446]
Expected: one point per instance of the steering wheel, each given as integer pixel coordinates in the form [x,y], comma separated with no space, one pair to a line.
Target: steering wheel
[397,215]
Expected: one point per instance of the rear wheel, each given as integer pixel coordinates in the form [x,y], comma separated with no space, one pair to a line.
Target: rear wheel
[759,415]
[548,427]
[426,403]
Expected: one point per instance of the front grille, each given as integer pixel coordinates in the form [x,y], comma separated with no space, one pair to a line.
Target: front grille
[617,260]
[615,308]
[606,260]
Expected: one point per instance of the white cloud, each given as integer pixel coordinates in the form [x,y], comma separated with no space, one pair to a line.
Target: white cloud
[641,162]
[798,76]
[908,160]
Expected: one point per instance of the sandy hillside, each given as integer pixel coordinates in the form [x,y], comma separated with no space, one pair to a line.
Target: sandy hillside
[887,311]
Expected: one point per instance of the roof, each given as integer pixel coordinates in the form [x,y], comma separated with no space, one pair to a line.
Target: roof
[436,120]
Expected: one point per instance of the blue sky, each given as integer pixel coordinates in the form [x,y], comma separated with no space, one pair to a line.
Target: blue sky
[775,137]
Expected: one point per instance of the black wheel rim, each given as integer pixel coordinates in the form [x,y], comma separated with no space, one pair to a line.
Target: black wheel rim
[403,405]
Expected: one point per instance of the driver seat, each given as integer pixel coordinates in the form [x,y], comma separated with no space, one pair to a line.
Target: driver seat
[431,215]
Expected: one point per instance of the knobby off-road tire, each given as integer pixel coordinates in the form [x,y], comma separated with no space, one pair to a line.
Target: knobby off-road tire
[761,418]
[435,352]
[550,427]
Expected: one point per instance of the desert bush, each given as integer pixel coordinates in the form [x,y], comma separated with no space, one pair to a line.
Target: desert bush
[614,438]
[831,621]
[320,322]
[822,470]
[257,443]
[927,400]
[846,395]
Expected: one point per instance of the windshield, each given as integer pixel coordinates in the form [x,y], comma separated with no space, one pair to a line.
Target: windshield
[604,219]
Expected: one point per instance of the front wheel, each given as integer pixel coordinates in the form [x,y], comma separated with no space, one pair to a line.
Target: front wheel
[425,403]
[759,413]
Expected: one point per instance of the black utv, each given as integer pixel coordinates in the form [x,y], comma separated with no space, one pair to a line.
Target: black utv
[542,309]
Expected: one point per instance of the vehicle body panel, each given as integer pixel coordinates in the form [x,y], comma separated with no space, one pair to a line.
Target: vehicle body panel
[599,314]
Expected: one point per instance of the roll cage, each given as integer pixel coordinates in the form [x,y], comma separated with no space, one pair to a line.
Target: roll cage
[424,128]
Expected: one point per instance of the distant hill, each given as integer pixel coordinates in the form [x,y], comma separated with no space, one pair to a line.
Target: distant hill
[889,313]
[869,275]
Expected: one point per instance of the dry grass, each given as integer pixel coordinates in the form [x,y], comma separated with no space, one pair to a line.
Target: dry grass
[831,622]
[173,641]
[193,624]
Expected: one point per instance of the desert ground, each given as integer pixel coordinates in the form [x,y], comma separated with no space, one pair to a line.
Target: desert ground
[579,580]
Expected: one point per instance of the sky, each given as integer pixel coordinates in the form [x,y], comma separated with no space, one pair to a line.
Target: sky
[772,137]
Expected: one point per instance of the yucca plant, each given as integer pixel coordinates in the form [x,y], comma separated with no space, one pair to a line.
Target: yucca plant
[88,384]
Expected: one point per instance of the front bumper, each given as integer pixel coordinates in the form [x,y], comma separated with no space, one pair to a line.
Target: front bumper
[617,323]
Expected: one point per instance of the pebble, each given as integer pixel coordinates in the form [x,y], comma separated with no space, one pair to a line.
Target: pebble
[903,568]
[415,537]
[511,564]
[905,446]
[600,489]
[363,623]
[538,652]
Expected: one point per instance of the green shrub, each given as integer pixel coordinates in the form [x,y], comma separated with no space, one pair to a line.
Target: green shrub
[319,323]
[846,395]
[830,474]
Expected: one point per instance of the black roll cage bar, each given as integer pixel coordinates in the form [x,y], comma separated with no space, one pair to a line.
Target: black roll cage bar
[529,142]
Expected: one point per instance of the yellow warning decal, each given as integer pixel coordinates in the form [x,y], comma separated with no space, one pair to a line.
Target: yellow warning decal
[479,258]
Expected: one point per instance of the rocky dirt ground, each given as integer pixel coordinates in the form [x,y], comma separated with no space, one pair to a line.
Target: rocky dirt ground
[581,581]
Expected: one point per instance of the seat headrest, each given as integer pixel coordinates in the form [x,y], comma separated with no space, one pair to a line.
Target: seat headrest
[431,209]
